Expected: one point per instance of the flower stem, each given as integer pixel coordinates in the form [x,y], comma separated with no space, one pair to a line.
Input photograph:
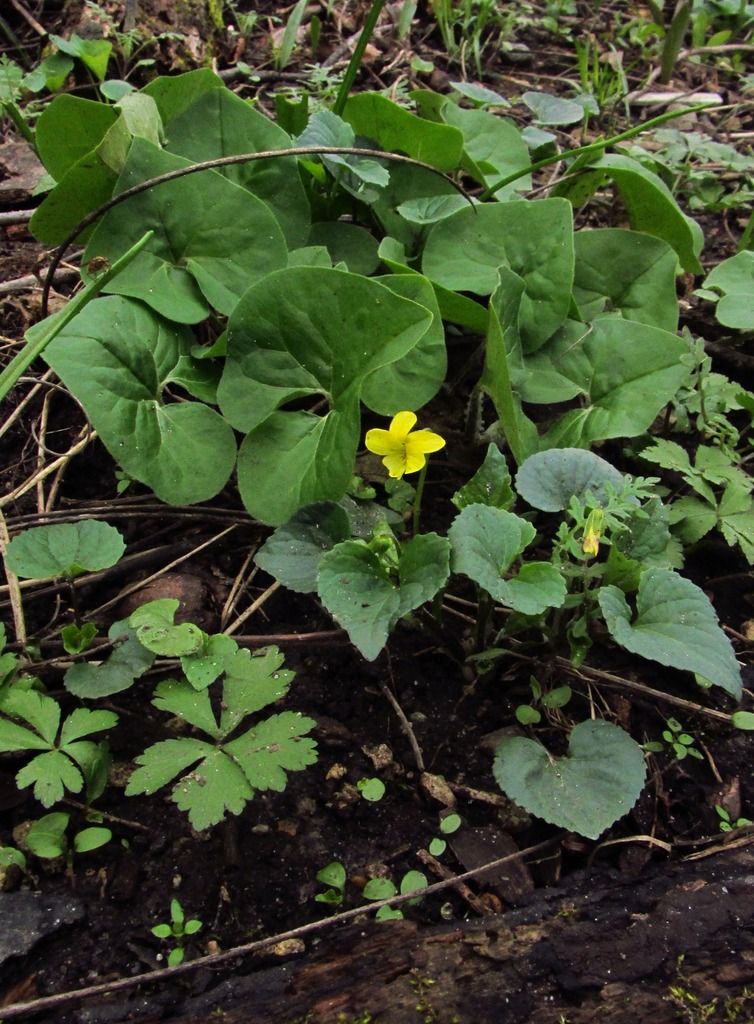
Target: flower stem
[418,498]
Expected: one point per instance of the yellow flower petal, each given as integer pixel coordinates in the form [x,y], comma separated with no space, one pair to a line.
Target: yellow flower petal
[402,424]
[395,465]
[414,460]
[380,442]
[425,441]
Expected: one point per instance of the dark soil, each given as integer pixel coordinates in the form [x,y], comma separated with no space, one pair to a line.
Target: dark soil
[254,876]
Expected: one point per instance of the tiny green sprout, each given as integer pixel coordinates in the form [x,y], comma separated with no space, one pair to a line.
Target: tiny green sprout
[680,742]
[437,847]
[450,824]
[726,823]
[333,875]
[76,639]
[178,929]
[372,790]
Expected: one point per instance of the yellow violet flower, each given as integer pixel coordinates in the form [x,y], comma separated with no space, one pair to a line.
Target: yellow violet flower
[404,449]
[593,532]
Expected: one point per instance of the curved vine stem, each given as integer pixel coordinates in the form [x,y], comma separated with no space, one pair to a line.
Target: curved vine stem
[225,161]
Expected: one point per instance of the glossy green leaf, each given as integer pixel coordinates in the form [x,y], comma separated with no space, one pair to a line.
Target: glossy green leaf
[362,596]
[675,625]
[188,265]
[128,661]
[486,541]
[490,485]
[597,782]
[307,331]
[68,129]
[175,93]
[93,838]
[623,372]
[533,239]
[493,148]
[116,357]
[218,124]
[394,128]
[156,631]
[65,549]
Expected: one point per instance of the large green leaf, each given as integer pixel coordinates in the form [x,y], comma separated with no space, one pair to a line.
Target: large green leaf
[649,203]
[734,279]
[534,239]
[307,331]
[69,128]
[366,600]
[376,117]
[116,357]
[175,93]
[486,542]
[676,625]
[598,781]
[626,272]
[493,148]
[212,238]
[219,123]
[412,381]
[623,372]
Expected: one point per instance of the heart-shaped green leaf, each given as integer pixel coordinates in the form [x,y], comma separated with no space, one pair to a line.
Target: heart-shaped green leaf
[293,553]
[734,278]
[534,239]
[676,625]
[595,784]
[219,123]
[189,264]
[366,600]
[394,128]
[116,357]
[548,480]
[156,631]
[299,332]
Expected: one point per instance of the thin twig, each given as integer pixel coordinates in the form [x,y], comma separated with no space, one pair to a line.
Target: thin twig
[16,1010]
[13,587]
[405,724]
[32,481]
[135,825]
[29,19]
[253,607]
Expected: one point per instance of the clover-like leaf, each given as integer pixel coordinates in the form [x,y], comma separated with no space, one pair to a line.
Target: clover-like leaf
[676,625]
[598,781]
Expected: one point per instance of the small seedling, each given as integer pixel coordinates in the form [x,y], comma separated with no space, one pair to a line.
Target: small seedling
[372,790]
[726,823]
[178,929]
[333,875]
[681,743]
[448,825]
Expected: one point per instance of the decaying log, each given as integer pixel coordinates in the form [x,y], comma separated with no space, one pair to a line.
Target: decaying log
[599,948]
